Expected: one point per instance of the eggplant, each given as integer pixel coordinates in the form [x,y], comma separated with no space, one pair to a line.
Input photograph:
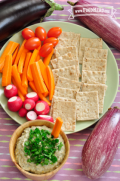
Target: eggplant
[105,27]
[17,14]
[102,144]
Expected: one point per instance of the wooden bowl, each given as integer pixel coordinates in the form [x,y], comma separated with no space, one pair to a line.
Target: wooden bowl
[18,133]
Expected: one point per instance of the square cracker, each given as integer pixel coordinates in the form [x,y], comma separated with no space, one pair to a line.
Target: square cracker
[87,106]
[67,111]
[96,76]
[64,92]
[88,42]
[69,35]
[67,83]
[94,64]
[70,72]
[62,51]
[101,88]
[95,53]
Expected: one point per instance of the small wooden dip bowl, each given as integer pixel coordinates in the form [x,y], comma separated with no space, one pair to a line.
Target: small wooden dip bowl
[17,134]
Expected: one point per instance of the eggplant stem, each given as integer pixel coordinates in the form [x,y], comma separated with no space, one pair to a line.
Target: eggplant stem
[71,3]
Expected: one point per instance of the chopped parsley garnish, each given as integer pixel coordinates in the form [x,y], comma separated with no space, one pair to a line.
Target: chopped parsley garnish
[41,147]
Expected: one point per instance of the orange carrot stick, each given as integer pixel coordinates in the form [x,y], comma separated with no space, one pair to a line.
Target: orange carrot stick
[38,58]
[43,72]
[19,53]
[19,93]
[32,85]
[9,49]
[21,62]
[45,94]
[41,96]
[47,59]
[15,54]
[7,70]
[24,75]
[51,82]
[17,79]
[37,77]
[32,60]
[57,127]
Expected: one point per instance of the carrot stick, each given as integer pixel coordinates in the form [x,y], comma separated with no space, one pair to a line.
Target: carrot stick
[19,53]
[24,75]
[17,79]
[9,49]
[57,127]
[51,82]
[21,62]
[32,60]
[14,55]
[41,96]
[43,72]
[37,77]
[45,94]
[19,93]
[32,85]
[38,58]
[47,59]
[7,70]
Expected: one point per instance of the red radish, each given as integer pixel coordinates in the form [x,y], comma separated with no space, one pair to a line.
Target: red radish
[22,112]
[10,91]
[33,96]
[31,115]
[101,146]
[105,27]
[29,104]
[14,103]
[47,118]
[42,107]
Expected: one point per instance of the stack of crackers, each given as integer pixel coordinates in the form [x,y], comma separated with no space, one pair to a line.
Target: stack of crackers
[78,96]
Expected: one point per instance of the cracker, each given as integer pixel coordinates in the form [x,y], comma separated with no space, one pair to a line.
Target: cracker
[88,42]
[65,92]
[70,72]
[94,64]
[69,35]
[67,83]
[62,51]
[96,76]
[101,88]
[66,109]
[95,53]
[87,106]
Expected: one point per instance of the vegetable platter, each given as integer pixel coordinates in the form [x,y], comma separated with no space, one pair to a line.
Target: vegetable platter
[112,71]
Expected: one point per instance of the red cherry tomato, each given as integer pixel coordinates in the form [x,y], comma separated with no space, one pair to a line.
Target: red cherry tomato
[46,49]
[40,33]
[32,43]
[52,40]
[54,32]
[27,33]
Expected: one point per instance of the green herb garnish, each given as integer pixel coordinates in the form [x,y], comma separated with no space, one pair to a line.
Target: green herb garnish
[41,147]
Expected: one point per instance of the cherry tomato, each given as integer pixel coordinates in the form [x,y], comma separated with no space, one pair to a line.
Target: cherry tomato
[32,43]
[40,33]
[46,49]
[27,33]
[52,40]
[54,32]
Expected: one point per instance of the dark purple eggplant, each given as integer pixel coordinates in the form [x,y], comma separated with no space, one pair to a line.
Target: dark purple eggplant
[17,14]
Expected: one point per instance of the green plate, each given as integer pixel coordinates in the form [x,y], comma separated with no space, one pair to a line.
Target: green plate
[112,71]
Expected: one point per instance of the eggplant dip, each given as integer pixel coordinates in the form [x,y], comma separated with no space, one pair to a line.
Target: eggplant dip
[37,151]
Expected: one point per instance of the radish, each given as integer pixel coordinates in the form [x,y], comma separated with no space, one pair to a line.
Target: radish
[14,103]
[10,91]
[47,118]
[22,112]
[31,115]
[101,146]
[33,96]
[42,107]
[29,104]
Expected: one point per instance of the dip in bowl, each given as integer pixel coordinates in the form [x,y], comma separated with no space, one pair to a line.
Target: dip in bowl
[28,164]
